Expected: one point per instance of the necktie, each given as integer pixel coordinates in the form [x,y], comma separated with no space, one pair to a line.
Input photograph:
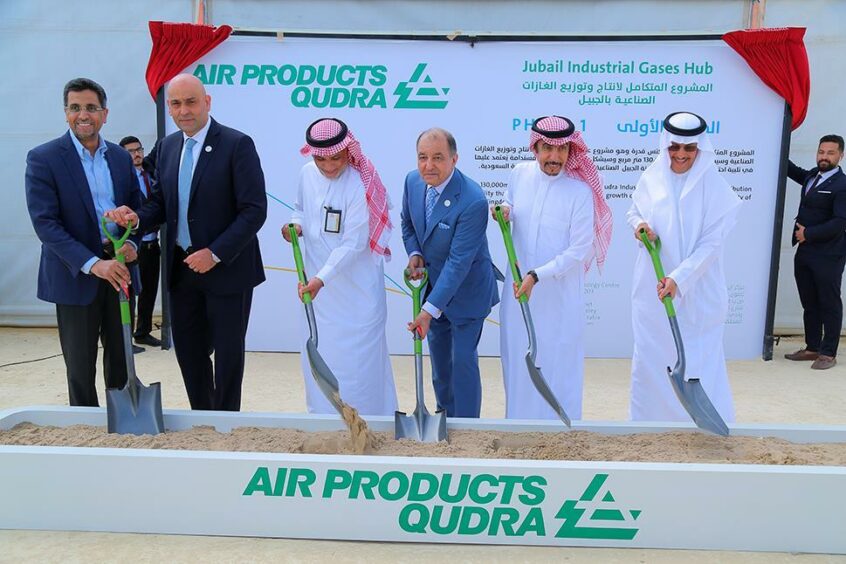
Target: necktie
[186,171]
[814,185]
[146,178]
[431,200]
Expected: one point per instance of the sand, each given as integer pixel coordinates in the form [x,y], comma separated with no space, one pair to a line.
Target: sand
[575,445]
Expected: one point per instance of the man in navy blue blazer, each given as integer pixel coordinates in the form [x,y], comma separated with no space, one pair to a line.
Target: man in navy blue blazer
[444,217]
[210,195]
[821,252]
[70,183]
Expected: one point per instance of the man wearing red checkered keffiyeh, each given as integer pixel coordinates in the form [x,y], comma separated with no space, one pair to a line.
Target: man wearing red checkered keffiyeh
[560,223]
[341,212]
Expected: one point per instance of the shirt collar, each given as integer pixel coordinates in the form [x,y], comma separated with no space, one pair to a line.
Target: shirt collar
[80,150]
[200,136]
[826,175]
[440,187]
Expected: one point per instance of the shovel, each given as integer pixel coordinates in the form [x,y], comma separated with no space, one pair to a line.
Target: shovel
[531,355]
[134,409]
[320,371]
[690,392]
[421,425]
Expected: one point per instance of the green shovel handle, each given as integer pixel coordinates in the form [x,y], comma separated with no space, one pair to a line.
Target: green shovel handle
[654,250]
[117,243]
[509,250]
[416,289]
[298,260]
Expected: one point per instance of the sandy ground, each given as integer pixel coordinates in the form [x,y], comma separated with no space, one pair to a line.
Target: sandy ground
[771,392]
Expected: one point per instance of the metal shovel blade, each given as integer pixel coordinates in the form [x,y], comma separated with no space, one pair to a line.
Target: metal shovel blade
[421,425]
[135,409]
[690,392]
[534,372]
[323,376]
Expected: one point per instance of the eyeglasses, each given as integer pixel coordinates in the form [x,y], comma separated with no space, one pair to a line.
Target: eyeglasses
[689,148]
[138,150]
[90,108]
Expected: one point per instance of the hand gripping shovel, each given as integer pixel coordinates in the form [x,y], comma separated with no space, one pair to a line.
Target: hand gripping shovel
[134,409]
[323,376]
[531,355]
[690,392]
[421,425]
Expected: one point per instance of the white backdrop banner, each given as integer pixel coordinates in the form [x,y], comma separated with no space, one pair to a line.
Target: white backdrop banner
[487,94]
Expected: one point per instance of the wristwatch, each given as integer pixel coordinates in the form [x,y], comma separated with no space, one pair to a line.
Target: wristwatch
[533,274]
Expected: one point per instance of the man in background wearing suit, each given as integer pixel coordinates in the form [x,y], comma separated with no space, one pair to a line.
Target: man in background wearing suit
[444,216]
[70,183]
[821,252]
[149,253]
[210,193]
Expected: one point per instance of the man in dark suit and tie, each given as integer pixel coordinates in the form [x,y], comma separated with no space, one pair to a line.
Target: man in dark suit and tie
[70,183]
[210,193]
[149,253]
[821,252]
[444,216]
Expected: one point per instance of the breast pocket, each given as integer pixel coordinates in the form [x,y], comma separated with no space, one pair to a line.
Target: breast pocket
[440,241]
[820,199]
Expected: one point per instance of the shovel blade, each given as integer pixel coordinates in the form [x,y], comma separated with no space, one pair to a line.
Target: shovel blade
[421,426]
[693,398]
[544,390]
[323,376]
[138,415]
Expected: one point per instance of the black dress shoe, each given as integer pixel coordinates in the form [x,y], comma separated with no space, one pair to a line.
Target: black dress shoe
[136,349]
[148,340]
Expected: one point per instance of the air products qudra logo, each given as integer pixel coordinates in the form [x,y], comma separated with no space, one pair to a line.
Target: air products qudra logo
[418,92]
[432,504]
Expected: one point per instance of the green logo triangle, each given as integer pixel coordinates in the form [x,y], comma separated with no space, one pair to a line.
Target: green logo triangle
[608,496]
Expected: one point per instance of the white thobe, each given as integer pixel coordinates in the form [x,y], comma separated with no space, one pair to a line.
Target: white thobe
[692,214]
[351,309]
[552,228]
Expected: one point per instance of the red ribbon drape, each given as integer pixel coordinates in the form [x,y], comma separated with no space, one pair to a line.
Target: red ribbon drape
[177,45]
[779,59]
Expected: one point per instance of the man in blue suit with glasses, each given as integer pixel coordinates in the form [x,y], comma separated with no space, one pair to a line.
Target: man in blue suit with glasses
[444,217]
[70,183]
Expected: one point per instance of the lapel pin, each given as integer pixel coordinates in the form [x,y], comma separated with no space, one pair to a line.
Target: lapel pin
[208,149]
[447,203]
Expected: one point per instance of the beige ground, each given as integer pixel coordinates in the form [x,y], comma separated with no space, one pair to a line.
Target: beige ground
[773,392]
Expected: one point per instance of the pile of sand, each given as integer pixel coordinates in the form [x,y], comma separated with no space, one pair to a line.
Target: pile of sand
[573,445]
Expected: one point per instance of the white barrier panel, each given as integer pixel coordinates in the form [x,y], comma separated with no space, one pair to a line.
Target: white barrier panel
[519,502]
[487,94]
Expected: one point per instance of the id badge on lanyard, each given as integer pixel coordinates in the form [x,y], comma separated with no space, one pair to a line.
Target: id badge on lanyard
[332,220]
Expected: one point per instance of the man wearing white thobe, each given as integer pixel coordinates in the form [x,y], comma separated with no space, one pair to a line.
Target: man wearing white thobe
[341,212]
[560,222]
[682,199]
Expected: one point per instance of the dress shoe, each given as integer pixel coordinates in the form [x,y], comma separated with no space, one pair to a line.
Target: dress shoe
[148,340]
[824,362]
[136,349]
[802,354]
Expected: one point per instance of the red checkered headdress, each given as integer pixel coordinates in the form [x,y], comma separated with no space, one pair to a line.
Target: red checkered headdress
[329,136]
[557,130]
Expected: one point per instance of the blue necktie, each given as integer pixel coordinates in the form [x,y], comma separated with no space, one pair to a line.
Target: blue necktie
[186,171]
[431,200]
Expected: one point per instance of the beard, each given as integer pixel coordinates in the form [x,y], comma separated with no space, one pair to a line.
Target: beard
[824,165]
